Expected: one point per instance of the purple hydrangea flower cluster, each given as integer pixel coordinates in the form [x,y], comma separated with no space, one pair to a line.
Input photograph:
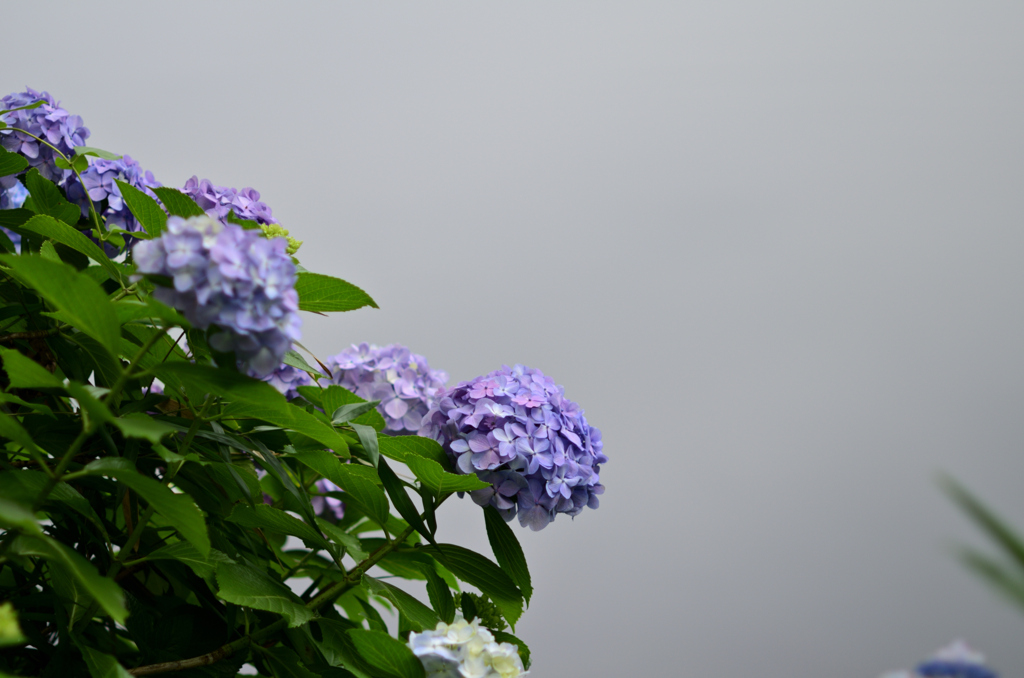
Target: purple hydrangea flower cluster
[235,279]
[401,380]
[49,122]
[287,380]
[515,429]
[219,201]
[99,182]
[328,506]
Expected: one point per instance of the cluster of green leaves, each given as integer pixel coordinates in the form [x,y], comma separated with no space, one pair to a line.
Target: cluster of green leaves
[137,536]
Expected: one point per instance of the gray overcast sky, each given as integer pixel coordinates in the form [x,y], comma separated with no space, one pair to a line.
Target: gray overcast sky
[773,249]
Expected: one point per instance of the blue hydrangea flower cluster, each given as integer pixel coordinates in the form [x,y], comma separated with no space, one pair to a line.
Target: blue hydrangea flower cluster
[956,660]
[234,279]
[99,183]
[10,199]
[515,429]
[287,380]
[49,122]
[401,380]
[219,201]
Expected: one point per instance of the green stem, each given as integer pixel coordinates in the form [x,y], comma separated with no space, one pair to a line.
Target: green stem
[126,374]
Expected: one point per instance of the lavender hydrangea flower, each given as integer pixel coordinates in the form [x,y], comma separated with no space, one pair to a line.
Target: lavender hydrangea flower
[465,650]
[287,380]
[232,278]
[956,660]
[99,183]
[220,201]
[328,506]
[10,199]
[515,429]
[50,122]
[401,380]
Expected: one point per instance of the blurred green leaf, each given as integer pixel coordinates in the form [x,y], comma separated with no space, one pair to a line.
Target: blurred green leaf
[295,359]
[184,552]
[245,585]
[326,294]
[177,203]
[76,296]
[393,486]
[387,654]
[347,413]
[25,485]
[146,210]
[10,631]
[989,522]
[14,516]
[439,593]
[483,573]
[368,439]
[1004,580]
[26,373]
[508,551]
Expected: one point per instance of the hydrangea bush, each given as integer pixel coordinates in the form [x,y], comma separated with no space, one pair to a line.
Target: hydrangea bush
[956,660]
[181,492]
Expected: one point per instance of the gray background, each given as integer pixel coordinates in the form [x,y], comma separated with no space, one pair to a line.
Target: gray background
[774,251]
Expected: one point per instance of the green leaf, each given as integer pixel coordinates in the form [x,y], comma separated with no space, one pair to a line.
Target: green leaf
[184,552]
[484,574]
[47,198]
[10,631]
[104,591]
[26,373]
[245,585]
[251,398]
[325,294]
[15,218]
[102,665]
[58,231]
[284,663]
[508,551]
[13,516]
[401,500]
[357,481]
[177,203]
[368,439]
[439,593]
[11,429]
[96,152]
[76,296]
[338,648]
[419,615]
[349,541]
[146,210]
[347,413]
[107,366]
[524,651]
[11,163]
[77,600]
[295,359]
[386,654]
[178,509]
[139,425]
[997,530]
[439,481]
[400,447]
[276,520]
[334,397]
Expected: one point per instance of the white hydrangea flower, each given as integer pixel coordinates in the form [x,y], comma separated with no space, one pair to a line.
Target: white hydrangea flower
[465,650]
